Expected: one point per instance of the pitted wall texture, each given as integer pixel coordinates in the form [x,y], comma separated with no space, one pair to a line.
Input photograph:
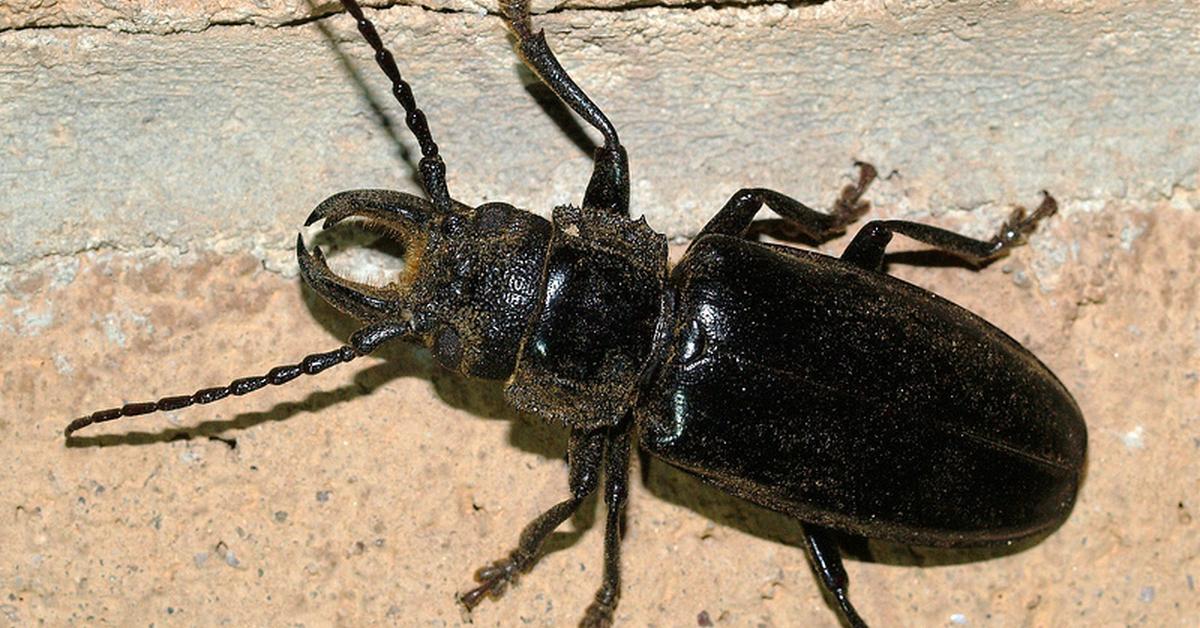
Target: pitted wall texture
[225,138]
[157,159]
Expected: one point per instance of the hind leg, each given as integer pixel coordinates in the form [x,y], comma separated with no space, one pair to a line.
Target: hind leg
[826,561]
[870,243]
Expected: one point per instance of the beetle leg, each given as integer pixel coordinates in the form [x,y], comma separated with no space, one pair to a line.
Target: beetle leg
[616,492]
[827,562]
[738,213]
[608,188]
[584,456]
[869,244]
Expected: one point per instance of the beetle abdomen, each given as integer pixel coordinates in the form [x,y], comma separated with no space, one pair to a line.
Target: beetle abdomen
[852,399]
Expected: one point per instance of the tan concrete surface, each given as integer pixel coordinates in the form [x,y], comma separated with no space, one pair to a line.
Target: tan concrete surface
[368,495]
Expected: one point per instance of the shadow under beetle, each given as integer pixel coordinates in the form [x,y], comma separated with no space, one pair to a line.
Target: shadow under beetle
[815,386]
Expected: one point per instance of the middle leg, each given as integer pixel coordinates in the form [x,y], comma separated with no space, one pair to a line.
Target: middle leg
[584,456]
[738,213]
[616,493]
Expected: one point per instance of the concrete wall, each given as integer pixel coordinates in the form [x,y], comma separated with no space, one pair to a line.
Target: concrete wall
[221,125]
[157,158]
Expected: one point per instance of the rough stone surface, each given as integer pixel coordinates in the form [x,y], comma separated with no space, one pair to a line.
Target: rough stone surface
[151,185]
[164,16]
[225,138]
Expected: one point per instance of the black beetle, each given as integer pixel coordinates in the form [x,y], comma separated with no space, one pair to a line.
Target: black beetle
[818,387]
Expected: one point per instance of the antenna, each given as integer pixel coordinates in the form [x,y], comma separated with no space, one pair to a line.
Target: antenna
[363,341]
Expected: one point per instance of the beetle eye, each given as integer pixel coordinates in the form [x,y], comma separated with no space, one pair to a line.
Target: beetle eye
[691,344]
[447,347]
[454,226]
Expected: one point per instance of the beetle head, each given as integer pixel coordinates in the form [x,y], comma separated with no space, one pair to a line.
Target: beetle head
[471,277]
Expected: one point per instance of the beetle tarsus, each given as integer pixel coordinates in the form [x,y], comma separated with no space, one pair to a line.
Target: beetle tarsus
[494,580]
[598,615]
[849,206]
[1018,225]
[495,577]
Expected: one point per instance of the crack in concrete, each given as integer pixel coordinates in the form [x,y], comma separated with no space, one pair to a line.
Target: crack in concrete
[208,24]
[128,26]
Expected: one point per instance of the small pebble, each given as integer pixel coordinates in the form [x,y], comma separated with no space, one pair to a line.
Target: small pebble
[227,554]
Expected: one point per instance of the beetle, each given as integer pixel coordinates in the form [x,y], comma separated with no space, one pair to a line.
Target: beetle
[819,387]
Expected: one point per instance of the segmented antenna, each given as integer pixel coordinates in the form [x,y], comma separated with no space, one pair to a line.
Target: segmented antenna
[432,168]
[363,341]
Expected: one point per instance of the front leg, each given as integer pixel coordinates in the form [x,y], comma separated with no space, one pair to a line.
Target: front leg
[608,189]
[584,455]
